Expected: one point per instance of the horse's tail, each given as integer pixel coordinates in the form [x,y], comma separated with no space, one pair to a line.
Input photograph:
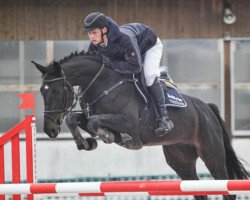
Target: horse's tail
[235,168]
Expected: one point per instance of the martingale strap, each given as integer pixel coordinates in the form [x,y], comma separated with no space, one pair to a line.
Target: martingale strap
[106,92]
[103,94]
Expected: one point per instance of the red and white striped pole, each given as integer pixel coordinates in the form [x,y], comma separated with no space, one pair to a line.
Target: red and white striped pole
[149,188]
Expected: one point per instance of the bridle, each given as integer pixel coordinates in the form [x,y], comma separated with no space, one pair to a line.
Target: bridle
[77,97]
[64,110]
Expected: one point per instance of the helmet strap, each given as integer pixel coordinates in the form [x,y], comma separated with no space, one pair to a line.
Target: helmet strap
[102,35]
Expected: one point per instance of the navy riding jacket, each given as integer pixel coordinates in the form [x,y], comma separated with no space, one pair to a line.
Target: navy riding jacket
[126,46]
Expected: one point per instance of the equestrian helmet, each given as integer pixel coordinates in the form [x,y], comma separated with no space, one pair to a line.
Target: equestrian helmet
[95,20]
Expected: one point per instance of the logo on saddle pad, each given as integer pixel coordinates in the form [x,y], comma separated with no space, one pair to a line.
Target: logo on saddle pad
[174,98]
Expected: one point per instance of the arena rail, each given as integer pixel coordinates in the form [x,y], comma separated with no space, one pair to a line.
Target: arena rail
[149,188]
[13,136]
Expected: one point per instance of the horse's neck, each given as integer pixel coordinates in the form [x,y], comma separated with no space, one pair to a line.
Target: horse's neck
[89,74]
[79,73]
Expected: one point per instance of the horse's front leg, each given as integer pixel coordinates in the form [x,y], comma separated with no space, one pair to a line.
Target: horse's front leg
[73,120]
[105,125]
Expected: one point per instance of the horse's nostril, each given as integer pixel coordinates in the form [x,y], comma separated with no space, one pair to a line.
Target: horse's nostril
[53,133]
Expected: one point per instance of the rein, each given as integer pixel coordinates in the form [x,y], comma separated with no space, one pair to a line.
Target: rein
[93,80]
[88,106]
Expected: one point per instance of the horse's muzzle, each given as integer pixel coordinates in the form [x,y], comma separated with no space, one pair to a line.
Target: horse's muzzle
[51,128]
[52,133]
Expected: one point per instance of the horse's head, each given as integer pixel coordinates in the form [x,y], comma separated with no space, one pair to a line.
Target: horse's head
[57,95]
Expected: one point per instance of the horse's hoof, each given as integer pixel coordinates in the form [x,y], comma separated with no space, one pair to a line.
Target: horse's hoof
[80,146]
[92,144]
[105,135]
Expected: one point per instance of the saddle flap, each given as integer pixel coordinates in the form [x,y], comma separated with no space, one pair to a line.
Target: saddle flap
[174,98]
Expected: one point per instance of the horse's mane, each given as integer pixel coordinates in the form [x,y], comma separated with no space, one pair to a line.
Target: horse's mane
[88,54]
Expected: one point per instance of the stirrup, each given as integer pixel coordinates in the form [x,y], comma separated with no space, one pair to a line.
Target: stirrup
[167,126]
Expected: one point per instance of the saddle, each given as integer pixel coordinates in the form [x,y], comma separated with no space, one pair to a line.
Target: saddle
[172,96]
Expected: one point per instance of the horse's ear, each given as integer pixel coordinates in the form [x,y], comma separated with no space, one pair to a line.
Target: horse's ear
[40,67]
[57,66]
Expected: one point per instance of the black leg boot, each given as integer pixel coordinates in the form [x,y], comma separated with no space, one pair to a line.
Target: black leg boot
[165,124]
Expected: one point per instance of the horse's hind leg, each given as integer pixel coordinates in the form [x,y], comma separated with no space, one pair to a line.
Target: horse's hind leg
[73,120]
[182,159]
[215,161]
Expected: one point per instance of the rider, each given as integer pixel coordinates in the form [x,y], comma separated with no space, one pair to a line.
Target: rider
[126,49]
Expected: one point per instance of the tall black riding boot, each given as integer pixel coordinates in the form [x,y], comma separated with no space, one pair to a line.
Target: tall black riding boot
[165,124]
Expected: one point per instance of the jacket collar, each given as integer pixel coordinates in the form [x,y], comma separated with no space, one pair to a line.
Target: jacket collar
[114,31]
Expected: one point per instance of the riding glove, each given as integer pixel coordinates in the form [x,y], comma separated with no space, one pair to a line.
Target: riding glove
[106,61]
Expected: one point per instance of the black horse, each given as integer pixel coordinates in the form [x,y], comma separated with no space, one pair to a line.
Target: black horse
[113,109]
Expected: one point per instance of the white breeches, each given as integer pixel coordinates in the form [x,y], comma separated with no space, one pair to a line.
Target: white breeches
[152,62]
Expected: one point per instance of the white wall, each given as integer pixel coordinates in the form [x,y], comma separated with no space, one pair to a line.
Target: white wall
[62,160]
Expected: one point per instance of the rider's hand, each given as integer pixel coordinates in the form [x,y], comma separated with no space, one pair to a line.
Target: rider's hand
[106,61]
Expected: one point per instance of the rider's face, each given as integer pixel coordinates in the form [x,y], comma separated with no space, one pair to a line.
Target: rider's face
[96,35]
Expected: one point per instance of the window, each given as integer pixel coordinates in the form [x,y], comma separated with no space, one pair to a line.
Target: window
[197,68]
[240,81]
